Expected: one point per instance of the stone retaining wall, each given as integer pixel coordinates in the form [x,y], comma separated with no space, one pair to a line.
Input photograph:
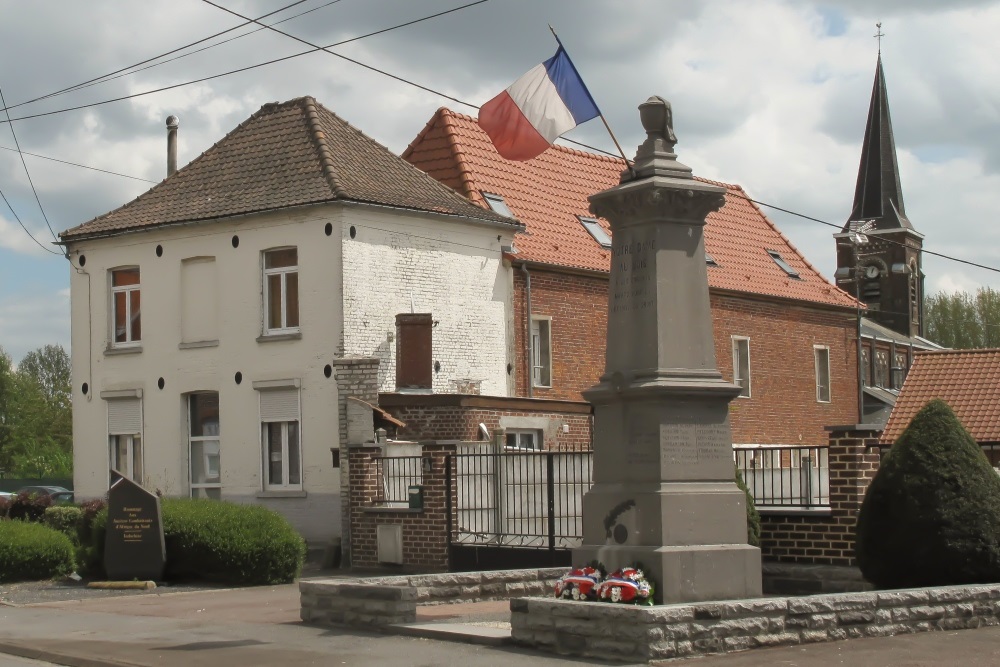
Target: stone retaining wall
[386,600]
[613,632]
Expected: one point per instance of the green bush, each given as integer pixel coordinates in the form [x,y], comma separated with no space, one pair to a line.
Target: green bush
[753,516]
[931,516]
[31,551]
[221,541]
[65,519]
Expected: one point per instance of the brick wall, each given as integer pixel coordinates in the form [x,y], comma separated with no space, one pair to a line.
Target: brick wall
[782,408]
[827,539]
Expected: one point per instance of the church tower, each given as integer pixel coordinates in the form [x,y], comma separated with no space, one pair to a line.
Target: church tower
[884,261]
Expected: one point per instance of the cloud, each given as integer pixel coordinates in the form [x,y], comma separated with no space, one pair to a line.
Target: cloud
[30,321]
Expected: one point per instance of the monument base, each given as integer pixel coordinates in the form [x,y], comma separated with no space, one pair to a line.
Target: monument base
[687,573]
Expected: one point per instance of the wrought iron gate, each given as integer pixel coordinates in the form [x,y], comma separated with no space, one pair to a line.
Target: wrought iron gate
[511,508]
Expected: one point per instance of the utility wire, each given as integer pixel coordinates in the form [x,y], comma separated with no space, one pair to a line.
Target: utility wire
[37,242]
[100,79]
[76,164]
[26,172]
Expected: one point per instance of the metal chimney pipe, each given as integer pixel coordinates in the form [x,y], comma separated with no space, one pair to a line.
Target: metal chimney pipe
[172,124]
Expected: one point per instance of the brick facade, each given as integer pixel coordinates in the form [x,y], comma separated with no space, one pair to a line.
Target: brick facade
[782,408]
[827,538]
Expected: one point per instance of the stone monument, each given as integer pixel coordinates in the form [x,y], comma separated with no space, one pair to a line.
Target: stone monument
[134,548]
[664,494]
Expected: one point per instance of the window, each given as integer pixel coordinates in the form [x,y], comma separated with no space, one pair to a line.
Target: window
[741,364]
[125,434]
[518,438]
[497,204]
[776,256]
[595,229]
[126,324]
[541,352]
[709,260]
[914,293]
[822,355]
[280,436]
[281,291]
[881,368]
[866,366]
[204,446]
[899,369]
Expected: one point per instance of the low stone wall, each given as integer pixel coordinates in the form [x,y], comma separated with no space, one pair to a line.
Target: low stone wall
[614,632]
[380,601]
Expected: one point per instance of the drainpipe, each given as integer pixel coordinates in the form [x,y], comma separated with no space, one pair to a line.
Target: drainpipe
[172,124]
[527,329]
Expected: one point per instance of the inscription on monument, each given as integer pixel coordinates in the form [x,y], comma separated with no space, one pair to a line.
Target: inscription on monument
[133,544]
[691,444]
[632,277]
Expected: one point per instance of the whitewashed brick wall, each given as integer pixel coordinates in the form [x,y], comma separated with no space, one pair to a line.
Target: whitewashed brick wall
[402,263]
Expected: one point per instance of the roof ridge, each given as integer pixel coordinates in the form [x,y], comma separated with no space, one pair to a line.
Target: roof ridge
[318,136]
[465,173]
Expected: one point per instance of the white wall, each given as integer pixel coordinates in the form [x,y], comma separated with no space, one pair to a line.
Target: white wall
[452,270]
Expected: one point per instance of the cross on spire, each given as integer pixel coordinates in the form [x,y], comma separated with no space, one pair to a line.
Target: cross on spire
[879,35]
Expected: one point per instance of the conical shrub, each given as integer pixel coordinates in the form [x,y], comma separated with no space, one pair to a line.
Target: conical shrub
[931,516]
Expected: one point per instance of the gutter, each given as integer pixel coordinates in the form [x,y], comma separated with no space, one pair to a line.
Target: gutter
[527,331]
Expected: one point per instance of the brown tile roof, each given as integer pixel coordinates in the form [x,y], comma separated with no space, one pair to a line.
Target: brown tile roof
[549,192]
[288,154]
[967,380]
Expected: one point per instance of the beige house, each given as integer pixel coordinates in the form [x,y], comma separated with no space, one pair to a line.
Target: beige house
[210,313]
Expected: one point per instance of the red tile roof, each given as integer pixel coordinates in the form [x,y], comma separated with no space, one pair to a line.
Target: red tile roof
[967,380]
[549,192]
[288,154]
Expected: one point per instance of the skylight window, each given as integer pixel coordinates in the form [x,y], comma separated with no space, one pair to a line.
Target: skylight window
[595,229]
[497,204]
[709,260]
[776,256]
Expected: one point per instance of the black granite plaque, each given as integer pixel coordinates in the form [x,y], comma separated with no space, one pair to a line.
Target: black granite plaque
[133,546]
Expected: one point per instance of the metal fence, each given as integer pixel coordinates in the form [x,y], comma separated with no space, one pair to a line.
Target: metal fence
[785,476]
[395,475]
[518,499]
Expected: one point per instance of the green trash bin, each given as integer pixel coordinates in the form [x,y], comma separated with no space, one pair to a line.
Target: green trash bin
[416,495]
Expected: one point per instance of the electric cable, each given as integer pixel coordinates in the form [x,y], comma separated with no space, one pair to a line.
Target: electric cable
[37,242]
[76,164]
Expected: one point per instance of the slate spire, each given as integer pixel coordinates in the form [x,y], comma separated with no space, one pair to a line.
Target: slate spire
[878,195]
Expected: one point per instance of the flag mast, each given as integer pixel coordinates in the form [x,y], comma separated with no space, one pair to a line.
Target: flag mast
[599,112]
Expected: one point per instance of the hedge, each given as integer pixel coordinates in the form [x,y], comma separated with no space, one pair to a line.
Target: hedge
[221,541]
[31,551]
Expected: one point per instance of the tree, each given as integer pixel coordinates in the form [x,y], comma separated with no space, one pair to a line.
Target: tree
[963,321]
[931,516]
[50,367]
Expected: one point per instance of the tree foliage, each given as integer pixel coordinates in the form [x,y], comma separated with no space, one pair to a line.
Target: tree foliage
[931,516]
[36,418]
[963,321]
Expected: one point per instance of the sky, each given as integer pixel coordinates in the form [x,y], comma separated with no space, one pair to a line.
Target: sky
[771,94]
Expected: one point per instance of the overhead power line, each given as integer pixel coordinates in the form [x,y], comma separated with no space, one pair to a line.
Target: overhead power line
[76,164]
[26,172]
[30,235]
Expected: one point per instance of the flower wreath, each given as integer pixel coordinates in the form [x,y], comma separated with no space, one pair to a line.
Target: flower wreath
[627,585]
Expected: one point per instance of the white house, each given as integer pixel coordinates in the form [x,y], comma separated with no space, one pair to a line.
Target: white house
[208,312]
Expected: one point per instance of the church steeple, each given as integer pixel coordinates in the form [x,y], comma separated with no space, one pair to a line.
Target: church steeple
[878,195]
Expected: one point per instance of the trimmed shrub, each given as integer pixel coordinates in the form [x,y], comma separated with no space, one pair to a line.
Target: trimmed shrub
[4,506]
[88,510]
[28,506]
[221,541]
[31,551]
[753,516]
[63,518]
[931,516]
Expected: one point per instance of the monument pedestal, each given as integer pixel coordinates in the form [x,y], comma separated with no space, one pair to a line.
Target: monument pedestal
[664,496]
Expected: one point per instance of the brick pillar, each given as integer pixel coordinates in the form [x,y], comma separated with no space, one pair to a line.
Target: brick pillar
[356,377]
[854,460]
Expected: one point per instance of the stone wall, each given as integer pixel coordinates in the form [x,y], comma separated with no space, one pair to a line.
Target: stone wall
[617,632]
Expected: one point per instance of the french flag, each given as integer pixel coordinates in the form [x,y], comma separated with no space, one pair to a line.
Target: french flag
[548,101]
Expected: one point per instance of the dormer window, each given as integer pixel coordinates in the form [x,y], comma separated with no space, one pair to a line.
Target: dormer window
[709,260]
[497,204]
[776,256]
[595,229]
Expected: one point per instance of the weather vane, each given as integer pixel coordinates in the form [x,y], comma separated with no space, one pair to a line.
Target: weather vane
[879,35]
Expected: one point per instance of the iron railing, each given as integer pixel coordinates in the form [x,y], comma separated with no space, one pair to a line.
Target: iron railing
[786,476]
[395,474]
[507,498]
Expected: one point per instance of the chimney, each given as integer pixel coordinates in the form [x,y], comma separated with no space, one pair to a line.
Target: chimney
[171,145]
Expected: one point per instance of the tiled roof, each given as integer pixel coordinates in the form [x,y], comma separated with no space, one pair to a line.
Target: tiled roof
[549,192]
[967,380]
[289,154]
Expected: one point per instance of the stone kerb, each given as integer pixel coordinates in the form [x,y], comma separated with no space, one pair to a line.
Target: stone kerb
[605,631]
[382,601]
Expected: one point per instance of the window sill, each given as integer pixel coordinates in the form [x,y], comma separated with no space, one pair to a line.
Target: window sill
[112,351]
[273,338]
[283,494]
[196,344]
[377,509]
[794,510]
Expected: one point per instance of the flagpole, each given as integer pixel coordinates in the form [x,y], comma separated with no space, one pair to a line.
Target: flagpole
[599,112]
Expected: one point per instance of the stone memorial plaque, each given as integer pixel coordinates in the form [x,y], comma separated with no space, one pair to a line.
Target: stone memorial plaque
[133,545]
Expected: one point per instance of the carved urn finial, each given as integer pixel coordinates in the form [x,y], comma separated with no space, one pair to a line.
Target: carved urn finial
[656,156]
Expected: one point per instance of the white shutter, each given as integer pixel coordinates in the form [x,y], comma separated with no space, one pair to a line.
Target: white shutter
[279,405]
[124,416]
